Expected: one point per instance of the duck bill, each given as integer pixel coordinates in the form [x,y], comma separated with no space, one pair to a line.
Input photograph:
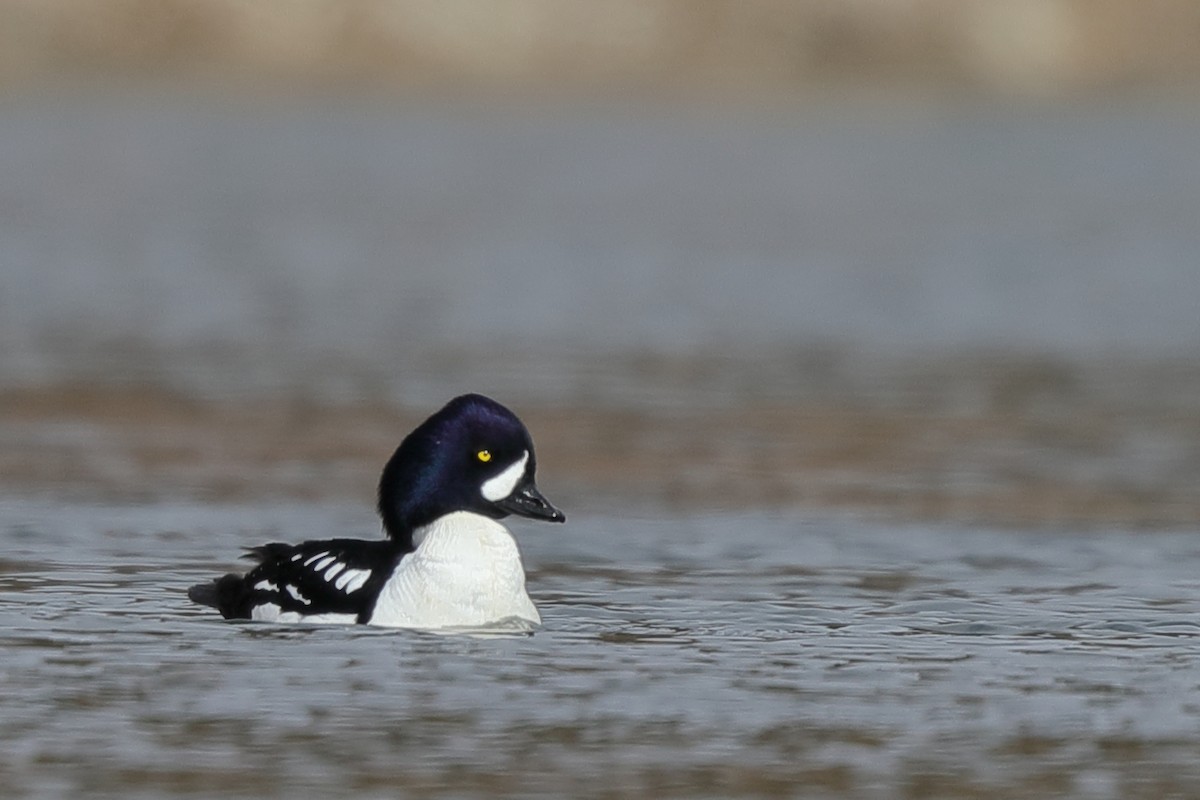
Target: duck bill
[527,501]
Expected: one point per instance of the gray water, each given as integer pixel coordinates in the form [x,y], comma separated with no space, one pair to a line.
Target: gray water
[739,654]
[397,250]
[365,253]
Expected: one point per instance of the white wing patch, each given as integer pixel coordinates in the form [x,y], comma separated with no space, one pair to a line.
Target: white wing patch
[352,580]
[294,592]
[323,564]
[269,612]
[501,486]
[319,619]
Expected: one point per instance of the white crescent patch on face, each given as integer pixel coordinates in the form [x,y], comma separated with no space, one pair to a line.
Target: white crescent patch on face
[501,486]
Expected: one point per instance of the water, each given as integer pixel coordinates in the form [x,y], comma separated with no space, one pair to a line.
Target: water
[745,654]
[383,249]
[869,422]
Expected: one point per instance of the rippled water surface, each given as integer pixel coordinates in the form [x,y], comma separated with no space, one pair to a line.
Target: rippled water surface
[736,654]
[710,319]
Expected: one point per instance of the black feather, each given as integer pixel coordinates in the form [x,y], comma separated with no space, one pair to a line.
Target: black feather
[227,594]
[284,567]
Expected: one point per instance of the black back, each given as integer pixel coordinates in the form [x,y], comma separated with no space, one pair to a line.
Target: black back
[287,576]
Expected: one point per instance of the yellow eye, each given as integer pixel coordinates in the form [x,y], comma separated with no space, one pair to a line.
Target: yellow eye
[484,456]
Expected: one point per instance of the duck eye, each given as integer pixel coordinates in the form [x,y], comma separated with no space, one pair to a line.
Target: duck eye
[484,456]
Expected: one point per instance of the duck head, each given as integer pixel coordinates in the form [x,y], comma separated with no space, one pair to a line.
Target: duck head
[472,455]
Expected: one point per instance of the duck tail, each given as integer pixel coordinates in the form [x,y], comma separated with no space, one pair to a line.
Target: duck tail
[228,594]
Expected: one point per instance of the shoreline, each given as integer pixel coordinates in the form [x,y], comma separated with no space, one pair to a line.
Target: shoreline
[1026,49]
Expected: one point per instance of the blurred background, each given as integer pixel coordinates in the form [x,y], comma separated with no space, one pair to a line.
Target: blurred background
[860,340]
[913,258]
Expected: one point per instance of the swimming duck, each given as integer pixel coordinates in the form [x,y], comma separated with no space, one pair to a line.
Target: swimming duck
[446,561]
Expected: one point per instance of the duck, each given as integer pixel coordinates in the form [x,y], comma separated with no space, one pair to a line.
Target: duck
[446,561]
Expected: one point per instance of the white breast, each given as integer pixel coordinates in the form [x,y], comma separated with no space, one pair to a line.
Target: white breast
[465,572]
